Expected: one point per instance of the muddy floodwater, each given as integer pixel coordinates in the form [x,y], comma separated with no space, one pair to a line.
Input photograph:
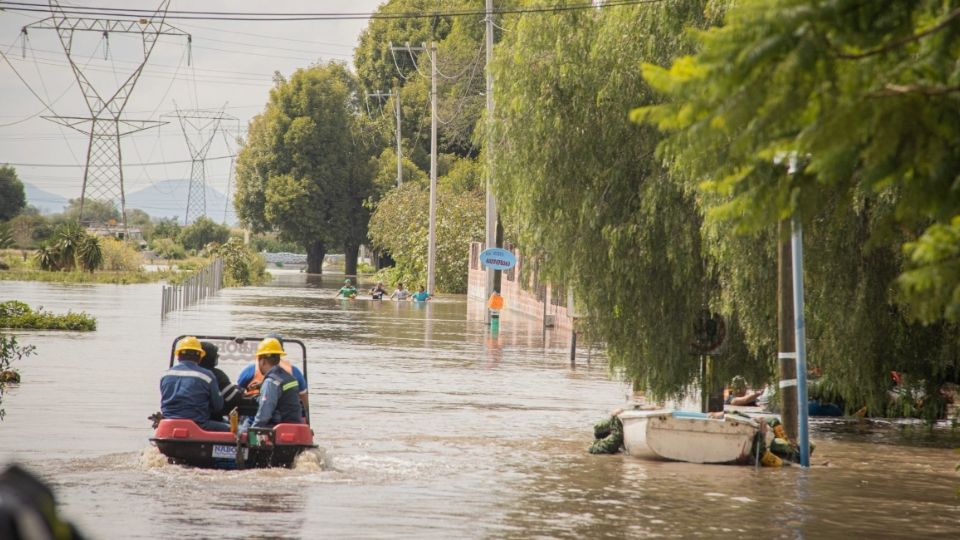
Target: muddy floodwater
[429,428]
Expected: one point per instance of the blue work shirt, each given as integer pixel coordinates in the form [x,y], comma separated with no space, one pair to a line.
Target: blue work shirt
[246,375]
[278,400]
[190,392]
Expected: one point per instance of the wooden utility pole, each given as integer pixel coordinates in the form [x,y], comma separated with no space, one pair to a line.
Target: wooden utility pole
[786,336]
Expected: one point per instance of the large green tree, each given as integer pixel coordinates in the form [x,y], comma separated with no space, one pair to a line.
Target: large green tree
[861,97]
[306,167]
[578,182]
[12,197]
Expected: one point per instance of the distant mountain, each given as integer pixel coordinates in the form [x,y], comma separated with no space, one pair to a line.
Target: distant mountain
[161,199]
[169,199]
[45,201]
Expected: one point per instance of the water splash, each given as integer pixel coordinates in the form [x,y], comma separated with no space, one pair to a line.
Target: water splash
[151,458]
[313,460]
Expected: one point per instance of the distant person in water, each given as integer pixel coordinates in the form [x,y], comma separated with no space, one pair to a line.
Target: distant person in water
[378,291]
[400,293]
[422,295]
[348,290]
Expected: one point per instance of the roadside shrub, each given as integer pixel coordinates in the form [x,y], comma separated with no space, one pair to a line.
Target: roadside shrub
[169,249]
[16,314]
[242,266]
[119,256]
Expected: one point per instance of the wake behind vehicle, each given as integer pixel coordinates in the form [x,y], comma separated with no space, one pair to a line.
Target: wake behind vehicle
[184,442]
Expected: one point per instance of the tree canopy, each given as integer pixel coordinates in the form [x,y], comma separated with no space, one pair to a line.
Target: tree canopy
[859,98]
[306,168]
[399,226]
[577,184]
[12,196]
[203,231]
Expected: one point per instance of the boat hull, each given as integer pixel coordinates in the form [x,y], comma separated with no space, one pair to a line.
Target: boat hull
[184,443]
[690,437]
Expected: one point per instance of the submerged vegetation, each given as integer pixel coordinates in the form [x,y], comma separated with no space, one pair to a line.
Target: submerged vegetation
[10,351]
[16,314]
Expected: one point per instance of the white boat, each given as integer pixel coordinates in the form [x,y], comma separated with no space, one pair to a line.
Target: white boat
[688,436]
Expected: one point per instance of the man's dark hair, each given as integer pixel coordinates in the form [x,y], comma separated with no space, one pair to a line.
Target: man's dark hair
[189,355]
[209,360]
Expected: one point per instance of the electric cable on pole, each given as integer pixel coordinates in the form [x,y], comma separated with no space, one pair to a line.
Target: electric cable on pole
[432,234]
[395,94]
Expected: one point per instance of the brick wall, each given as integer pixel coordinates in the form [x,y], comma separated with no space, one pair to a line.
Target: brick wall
[519,304]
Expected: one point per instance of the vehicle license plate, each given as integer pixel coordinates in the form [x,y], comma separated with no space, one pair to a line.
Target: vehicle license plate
[224,451]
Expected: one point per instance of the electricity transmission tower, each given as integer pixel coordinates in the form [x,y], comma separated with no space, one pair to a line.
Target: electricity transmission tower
[199,127]
[103,173]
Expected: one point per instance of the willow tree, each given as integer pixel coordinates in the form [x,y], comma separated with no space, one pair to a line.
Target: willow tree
[306,167]
[578,182]
[863,97]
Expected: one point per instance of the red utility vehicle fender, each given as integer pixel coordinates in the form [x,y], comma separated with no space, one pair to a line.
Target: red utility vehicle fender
[186,430]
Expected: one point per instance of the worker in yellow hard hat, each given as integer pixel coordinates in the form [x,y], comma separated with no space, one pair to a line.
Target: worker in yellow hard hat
[279,393]
[250,379]
[190,392]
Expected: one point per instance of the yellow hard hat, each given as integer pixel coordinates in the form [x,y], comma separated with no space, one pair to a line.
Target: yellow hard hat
[270,346]
[190,343]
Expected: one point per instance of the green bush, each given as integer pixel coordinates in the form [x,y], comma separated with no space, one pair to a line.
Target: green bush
[271,244]
[167,248]
[15,314]
[71,249]
[202,232]
[242,266]
[120,256]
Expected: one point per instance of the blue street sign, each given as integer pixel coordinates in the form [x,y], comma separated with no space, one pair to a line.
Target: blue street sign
[498,259]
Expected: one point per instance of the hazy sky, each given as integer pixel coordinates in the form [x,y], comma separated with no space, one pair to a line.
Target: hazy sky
[231,62]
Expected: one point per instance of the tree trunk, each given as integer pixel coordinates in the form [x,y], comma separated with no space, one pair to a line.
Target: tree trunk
[315,252]
[350,253]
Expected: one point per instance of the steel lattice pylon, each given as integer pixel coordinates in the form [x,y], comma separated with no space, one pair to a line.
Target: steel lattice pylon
[199,127]
[103,173]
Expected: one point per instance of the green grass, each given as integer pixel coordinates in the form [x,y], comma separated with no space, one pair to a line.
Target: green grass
[119,278]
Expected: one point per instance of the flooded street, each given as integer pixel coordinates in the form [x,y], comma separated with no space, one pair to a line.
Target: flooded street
[429,429]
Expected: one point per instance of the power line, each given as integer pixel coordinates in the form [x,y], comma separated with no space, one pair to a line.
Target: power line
[77,166]
[314,16]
